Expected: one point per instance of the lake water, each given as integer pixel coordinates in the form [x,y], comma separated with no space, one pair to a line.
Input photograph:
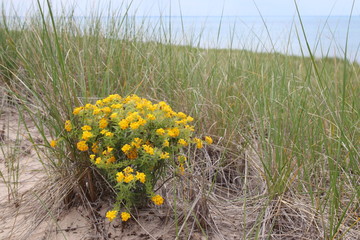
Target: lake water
[327,36]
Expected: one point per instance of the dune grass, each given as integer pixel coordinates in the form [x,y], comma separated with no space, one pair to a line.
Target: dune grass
[287,127]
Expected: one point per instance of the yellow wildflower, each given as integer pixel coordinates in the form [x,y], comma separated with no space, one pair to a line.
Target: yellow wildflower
[174,132]
[162,104]
[53,143]
[98,160]
[131,116]
[148,149]
[140,176]
[68,126]
[139,106]
[183,142]
[191,128]
[183,121]
[181,115]
[106,100]
[136,142]
[128,178]
[86,135]
[126,148]
[86,128]
[113,115]
[166,143]
[82,146]
[208,140]
[77,110]
[170,114]
[124,124]
[111,160]
[150,117]
[164,155]
[132,154]
[96,111]
[92,156]
[109,134]
[89,106]
[120,177]
[116,106]
[99,102]
[111,215]
[160,131]
[128,170]
[125,216]
[151,107]
[103,123]
[114,97]
[141,122]
[189,119]
[107,151]
[199,143]
[106,110]
[135,125]
[182,158]
[157,199]
[168,110]
[95,148]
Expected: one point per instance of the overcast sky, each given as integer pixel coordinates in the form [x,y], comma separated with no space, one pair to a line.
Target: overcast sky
[199,7]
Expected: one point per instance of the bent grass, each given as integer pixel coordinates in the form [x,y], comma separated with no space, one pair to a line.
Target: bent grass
[286,127]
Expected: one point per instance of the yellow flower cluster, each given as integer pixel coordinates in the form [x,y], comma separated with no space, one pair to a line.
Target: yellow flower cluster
[68,126]
[127,176]
[126,148]
[140,176]
[111,215]
[199,143]
[114,116]
[148,149]
[82,146]
[103,123]
[86,135]
[86,128]
[160,131]
[183,142]
[164,155]
[118,132]
[208,140]
[174,132]
[53,143]
[157,199]
[125,216]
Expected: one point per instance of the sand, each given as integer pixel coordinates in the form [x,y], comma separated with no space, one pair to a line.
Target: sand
[20,198]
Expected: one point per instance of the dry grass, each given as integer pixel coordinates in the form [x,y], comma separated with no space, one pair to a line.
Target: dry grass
[284,164]
[222,196]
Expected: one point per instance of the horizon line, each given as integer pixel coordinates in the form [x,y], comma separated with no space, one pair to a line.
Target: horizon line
[201,16]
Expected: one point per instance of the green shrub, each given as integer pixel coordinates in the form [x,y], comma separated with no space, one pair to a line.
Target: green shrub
[134,143]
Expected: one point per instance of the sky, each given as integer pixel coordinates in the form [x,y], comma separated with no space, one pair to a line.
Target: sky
[196,7]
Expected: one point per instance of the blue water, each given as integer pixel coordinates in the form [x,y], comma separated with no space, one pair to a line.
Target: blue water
[326,36]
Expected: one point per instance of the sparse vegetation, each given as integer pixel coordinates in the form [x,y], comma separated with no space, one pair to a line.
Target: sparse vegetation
[285,158]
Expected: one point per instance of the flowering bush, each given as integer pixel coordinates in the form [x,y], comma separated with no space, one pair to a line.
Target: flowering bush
[134,142]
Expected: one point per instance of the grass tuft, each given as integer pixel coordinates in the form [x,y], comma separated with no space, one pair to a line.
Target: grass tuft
[286,159]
